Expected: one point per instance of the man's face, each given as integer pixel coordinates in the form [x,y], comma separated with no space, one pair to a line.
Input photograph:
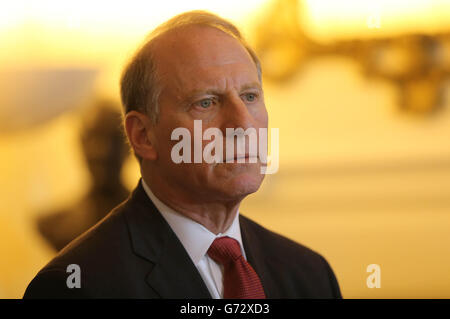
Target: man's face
[207,75]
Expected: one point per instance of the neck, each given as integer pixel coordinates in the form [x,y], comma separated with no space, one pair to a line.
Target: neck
[216,216]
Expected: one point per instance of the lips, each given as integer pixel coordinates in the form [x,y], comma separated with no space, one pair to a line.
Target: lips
[236,157]
[245,157]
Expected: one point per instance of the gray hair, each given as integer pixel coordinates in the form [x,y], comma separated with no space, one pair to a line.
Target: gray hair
[139,84]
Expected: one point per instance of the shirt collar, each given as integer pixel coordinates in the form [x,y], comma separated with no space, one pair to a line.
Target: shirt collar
[195,238]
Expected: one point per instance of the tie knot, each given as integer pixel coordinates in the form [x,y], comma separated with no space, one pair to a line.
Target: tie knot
[225,250]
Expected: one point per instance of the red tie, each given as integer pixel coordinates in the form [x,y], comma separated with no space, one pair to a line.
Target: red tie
[240,281]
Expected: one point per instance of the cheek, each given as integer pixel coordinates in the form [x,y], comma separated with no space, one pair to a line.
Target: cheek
[164,142]
[261,116]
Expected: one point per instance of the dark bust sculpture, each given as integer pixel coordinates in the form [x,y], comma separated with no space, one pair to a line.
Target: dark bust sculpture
[105,150]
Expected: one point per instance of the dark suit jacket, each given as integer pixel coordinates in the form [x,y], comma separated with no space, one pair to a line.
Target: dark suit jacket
[133,253]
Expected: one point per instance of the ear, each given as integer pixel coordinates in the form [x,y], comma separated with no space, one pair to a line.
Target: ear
[139,131]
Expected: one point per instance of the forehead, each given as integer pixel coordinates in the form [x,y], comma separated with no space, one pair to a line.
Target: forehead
[193,54]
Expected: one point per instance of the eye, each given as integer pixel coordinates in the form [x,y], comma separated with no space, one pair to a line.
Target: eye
[250,97]
[205,103]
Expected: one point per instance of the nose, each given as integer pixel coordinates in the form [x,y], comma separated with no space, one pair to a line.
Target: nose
[237,114]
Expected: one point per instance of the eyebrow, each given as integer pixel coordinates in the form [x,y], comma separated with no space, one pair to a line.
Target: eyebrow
[253,85]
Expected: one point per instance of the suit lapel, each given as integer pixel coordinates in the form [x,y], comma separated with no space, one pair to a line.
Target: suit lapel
[257,259]
[173,274]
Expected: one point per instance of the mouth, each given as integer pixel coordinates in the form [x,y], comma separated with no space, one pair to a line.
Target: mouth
[244,158]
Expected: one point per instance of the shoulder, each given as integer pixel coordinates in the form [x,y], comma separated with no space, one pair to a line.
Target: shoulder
[103,247]
[299,263]
[276,245]
[100,243]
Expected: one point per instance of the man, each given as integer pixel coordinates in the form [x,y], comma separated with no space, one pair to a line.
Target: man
[180,234]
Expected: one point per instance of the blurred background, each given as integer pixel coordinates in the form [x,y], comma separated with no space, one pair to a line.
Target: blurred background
[360,91]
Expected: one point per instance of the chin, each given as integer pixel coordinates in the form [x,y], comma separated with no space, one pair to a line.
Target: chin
[233,181]
[242,185]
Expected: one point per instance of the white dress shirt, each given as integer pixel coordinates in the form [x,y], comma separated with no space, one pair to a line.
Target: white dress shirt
[197,239]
